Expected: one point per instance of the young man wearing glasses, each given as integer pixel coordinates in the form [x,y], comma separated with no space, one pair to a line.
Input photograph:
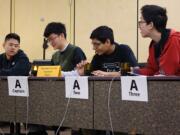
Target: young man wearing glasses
[164,49]
[108,54]
[68,55]
[107,60]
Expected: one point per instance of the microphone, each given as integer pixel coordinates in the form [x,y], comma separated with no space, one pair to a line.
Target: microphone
[45,44]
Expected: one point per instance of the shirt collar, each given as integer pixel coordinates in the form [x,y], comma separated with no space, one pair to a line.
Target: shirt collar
[64,48]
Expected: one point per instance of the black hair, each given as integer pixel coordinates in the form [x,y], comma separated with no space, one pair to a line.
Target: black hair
[12,36]
[55,28]
[102,33]
[155,14]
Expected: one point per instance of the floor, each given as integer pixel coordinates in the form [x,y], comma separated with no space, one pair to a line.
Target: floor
[5,130]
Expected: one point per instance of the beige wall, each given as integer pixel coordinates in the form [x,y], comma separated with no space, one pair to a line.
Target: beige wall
[120,15]
[4,20]
[29,18]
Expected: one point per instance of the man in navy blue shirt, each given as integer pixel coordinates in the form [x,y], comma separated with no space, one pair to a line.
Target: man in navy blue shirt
[109,55]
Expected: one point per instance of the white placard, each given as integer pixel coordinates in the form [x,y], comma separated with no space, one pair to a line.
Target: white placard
[77,87]
[18,86]
[134,88]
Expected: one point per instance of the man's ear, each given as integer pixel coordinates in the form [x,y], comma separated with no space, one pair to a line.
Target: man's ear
[151,25]
[62,35]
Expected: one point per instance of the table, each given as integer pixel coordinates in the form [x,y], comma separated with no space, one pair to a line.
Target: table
[47,103]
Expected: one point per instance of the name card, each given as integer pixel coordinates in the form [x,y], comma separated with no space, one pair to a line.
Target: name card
[49,71]
[77,87]
[18,86]
[134,88]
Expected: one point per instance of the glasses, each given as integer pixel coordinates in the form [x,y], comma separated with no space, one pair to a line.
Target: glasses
[140,22]
[96,44]
[51,39]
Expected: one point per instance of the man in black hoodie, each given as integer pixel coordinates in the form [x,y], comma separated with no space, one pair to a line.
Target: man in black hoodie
[13,62]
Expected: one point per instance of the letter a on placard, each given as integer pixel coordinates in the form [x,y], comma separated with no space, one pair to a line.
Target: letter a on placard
[76,85]
[134,88]
[17,84]
[133,85]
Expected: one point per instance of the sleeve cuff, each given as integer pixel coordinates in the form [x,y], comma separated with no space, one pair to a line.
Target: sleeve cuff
[69,73]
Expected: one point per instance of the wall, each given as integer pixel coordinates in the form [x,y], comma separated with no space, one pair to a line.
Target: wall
[120,15]
[4,20]
[28,18]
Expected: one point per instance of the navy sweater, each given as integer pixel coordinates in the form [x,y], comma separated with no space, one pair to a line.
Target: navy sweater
[19,65]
